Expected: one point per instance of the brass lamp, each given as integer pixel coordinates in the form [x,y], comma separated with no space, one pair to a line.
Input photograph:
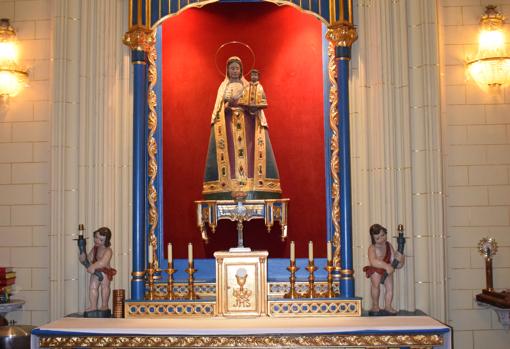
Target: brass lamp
[491,65]
[13,77]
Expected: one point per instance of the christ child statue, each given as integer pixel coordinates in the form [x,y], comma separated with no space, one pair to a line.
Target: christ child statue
[253,95]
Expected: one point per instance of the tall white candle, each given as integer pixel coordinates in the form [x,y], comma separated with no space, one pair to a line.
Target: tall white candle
[310,251]
[190,253]
[292,251]
[329,251]
[170,257]
[150,253]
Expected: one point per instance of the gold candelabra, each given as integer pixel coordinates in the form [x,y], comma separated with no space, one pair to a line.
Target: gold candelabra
[151,295]
[170,295]
[292,268]
[330,293]
[311,293]
[191,288]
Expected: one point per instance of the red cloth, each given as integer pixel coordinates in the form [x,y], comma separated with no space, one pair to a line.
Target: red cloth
[109,272]
[369,270]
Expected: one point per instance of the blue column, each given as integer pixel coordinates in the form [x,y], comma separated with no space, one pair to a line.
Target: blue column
[139,131]
[342,56]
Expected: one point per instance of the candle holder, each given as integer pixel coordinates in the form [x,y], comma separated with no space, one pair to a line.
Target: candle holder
[170,282]
[311,280]
[330,293]
[191,288]
[292,268]
[151,295]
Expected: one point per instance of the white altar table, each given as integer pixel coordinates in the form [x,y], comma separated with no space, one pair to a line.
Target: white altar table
[339,332]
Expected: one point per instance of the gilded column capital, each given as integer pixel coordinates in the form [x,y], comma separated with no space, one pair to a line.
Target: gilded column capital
[139,38]
[342,34]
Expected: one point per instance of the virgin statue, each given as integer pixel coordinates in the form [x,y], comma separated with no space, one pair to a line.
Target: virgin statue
[240,156]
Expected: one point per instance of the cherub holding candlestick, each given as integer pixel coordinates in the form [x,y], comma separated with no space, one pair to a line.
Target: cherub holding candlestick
[380,255]
[99,258]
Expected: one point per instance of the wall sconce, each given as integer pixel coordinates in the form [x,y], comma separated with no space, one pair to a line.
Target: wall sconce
[491,65]
[13,77]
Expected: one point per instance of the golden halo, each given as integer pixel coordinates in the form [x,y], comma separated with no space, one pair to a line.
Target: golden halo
[229,45]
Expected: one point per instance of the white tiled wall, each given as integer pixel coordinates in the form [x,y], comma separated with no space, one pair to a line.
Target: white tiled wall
[24,164]
[477,144]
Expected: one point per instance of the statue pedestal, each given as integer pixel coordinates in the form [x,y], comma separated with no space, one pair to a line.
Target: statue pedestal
[241,283]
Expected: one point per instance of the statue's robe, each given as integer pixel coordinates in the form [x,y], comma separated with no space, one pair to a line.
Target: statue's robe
[240,156]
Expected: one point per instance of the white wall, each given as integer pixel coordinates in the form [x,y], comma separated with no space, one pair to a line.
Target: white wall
[476,134]
[24,164]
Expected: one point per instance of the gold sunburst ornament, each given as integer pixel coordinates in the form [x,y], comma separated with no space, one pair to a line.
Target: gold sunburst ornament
[488,247]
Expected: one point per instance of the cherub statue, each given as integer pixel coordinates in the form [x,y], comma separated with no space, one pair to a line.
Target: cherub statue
[102,273]
[380,271]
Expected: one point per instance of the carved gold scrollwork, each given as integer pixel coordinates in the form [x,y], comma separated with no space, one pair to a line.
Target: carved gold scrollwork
[342,34]
[139,38]
[152,149]
[333,124]
[288,341]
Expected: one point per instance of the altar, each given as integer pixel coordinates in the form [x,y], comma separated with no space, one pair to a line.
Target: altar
[361,332]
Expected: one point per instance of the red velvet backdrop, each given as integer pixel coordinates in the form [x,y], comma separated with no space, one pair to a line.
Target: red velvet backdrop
[288,53]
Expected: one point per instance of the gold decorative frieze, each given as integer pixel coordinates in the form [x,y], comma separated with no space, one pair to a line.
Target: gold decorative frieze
[180,289]
[278,289]
[314,307]
[342,34]
[166,309]
[246,341]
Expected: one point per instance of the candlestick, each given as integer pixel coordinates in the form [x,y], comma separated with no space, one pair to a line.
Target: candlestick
[311,280]
[170,282]
[330,293]
[292,251]
[292,294]
[191,284]
[170,257]
[329,251]
[310,251]
[190,253]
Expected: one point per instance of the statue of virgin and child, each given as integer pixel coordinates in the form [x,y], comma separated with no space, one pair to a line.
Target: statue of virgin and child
[240,157]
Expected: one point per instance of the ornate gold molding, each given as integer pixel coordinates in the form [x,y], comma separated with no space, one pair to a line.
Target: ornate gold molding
[342,34]
[162,309]
[102,341]
[152,149]
[139,38]
[306,307]
[334,149]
